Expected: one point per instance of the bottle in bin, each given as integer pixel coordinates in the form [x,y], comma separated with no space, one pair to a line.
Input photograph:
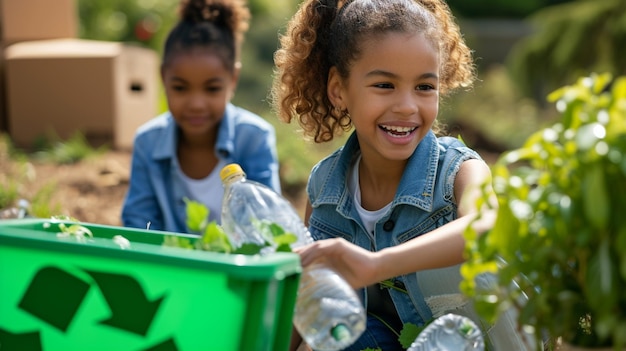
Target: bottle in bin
[450,332]
[328,314]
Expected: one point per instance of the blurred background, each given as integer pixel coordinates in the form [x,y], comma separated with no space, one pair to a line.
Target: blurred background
[523,50]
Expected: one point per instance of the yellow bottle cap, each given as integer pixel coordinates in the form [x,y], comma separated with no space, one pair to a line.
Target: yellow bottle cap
[230,170]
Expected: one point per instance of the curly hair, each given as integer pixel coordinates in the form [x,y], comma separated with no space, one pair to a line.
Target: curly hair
[330,33]
[213,24]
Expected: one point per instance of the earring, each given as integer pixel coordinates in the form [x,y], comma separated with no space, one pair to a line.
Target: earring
[340,112]
[337,110]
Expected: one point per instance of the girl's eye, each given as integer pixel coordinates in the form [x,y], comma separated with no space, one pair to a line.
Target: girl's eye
[178,87]
[384,85]
[214,89]
[425,87]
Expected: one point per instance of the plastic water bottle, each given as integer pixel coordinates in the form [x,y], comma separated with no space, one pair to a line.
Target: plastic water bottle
[450,332]
[328,313]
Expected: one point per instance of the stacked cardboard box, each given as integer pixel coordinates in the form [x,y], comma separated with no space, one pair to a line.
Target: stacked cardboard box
[56,84]
[104,90]
[23,20]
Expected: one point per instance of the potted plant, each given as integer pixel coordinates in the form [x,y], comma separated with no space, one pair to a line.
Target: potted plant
[558,247]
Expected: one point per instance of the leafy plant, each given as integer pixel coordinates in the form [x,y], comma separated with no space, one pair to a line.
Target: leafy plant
[214,238]
[72,150]
[75,230]
[407,335]
[569,39]
[560,235]
[41,203]
[15,177]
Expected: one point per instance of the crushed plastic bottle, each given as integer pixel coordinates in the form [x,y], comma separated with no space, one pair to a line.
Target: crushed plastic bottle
[450,332]
[328,314]
[19,212]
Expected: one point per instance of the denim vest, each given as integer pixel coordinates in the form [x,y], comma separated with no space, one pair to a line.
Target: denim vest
[423,202]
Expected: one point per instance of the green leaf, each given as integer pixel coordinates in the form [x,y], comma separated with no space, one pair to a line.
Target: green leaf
[600,81]
[268,230]
[619,87]
[248,249]
[177,241]
[621,247]
[79,230]
[284,248]
[285,239]
[409,333]
[274,233]
[197,215]
[215,239]
[600,274]
[503,236]
[596,199]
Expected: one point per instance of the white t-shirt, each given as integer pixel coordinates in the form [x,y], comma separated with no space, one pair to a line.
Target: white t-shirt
[369,218]
[208,191]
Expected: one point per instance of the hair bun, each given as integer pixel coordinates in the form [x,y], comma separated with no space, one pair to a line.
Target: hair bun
[232,14]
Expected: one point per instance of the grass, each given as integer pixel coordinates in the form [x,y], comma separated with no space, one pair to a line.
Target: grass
[297,156]
[14,172]
[72,150]
[17,174]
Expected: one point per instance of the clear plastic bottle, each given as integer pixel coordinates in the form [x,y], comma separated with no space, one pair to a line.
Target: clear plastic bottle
[328,314]
[450,332]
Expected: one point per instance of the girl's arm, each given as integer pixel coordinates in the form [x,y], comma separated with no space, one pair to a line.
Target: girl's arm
[441,247]
[141,206]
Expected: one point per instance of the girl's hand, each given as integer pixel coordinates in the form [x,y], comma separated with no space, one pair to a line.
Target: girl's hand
[356,265]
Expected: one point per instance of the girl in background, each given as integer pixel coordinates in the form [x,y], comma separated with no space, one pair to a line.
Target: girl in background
[178,155]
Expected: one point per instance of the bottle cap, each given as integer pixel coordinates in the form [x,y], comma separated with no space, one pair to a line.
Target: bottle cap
[230,170]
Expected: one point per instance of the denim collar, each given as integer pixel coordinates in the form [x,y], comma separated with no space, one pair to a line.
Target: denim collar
[416,188]
[169,136]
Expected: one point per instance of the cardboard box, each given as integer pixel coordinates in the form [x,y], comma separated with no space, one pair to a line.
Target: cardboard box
[23,20]
[57,87]
[3,107]
[60,294]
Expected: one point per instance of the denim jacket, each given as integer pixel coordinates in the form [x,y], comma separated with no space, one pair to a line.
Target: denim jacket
[423,202]
[156,196]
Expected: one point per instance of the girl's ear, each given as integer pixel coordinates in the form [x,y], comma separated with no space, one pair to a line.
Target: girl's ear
[335,89]
[235,81]
[236,72]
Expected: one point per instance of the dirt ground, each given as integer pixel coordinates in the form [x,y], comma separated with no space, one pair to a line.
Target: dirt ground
[92,190]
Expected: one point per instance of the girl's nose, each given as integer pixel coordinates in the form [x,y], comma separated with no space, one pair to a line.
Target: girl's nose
[406,103]
[197,101]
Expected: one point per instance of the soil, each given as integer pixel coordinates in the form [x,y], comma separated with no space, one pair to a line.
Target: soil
[93,189]
[90,191]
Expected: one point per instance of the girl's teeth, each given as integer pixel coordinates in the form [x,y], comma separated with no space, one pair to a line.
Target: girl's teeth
[395,130]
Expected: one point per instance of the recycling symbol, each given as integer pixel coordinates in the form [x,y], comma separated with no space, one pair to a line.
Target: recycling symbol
[54,297]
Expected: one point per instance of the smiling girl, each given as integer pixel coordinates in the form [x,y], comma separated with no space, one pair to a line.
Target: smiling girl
[394,201]
[178,155]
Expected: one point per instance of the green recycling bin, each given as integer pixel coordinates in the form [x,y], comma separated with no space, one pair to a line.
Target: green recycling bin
[60,293]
